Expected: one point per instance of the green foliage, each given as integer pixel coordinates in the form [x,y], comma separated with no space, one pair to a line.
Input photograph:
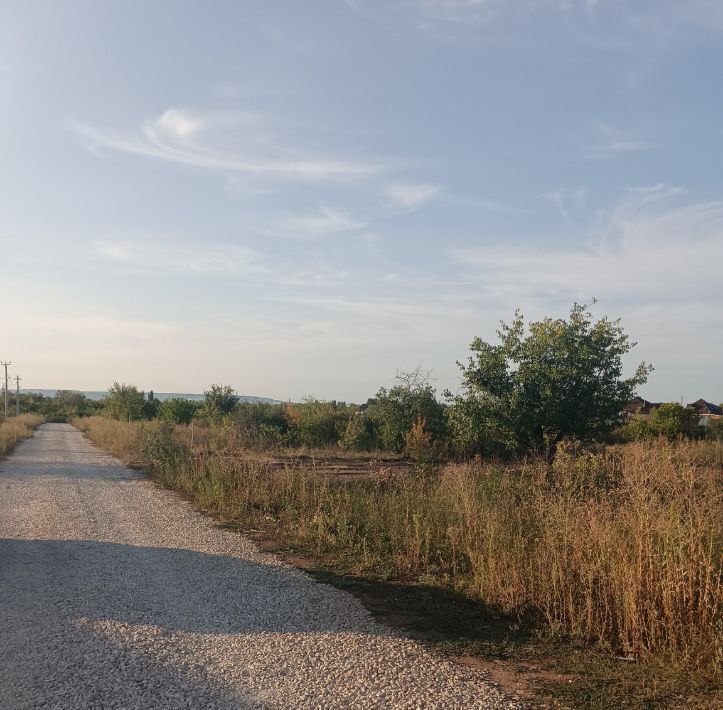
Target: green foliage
[259,424]
[124,402]
[670,419]
[673,420]
[178,410]
[562,378]
[315,423]
[358,434]
[714,430]
[396,410]
[64,405]
[219,401]
[637,428]
[473,429]
[72,404]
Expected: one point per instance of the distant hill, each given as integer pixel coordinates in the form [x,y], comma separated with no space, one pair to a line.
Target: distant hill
[159,395]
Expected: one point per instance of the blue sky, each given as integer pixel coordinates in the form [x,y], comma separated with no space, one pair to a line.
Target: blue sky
[300,198]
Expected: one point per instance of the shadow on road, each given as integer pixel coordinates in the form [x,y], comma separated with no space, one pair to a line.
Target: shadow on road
[58,596]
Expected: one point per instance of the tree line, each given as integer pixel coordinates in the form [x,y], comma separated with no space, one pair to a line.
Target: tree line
[541,383]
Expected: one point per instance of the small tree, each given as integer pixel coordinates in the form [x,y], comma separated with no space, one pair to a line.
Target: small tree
[560,378]
[124,402]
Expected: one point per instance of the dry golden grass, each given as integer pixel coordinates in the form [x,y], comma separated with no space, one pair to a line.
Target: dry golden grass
[620,549]
[13,429]
[121,439]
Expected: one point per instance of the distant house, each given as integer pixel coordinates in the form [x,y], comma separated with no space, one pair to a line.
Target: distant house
[706,411]
[638,405]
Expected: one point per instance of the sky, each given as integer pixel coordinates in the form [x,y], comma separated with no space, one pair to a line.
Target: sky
[301,198]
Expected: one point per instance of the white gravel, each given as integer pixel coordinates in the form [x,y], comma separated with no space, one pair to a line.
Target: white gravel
[116,594]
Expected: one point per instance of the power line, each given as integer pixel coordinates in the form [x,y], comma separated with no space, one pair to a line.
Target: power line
[17,395]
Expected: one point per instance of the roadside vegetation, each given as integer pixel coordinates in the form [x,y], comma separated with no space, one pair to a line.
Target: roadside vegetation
[526,508]
[14,429]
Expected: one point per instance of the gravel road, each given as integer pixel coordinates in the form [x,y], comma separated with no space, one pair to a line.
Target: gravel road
[116,594]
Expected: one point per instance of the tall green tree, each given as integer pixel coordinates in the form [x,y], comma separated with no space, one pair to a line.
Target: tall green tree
[557,378]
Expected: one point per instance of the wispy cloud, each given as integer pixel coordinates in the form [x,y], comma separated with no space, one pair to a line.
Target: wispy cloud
[229,142]
[410,197]
[326,221]
[645,248]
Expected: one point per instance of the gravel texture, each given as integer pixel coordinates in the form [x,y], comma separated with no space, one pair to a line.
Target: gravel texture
[116,594]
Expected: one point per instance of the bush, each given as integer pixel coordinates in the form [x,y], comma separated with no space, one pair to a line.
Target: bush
[358,434]
[673,420]
[178,410]
[219,400]
[418,442]
[395,411]
[317,424]
[714,430]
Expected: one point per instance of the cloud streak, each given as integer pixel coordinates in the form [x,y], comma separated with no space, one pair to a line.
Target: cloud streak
[411,197]
[325,222]
[232,143]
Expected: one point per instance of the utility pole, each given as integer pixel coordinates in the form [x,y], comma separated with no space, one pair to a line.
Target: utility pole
[17,395]
[5,365]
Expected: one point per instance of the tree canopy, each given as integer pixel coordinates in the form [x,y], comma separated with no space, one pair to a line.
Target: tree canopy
[556,378]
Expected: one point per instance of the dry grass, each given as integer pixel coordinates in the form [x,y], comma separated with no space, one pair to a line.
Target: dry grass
[619,549]
[122,439]
[13,429]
